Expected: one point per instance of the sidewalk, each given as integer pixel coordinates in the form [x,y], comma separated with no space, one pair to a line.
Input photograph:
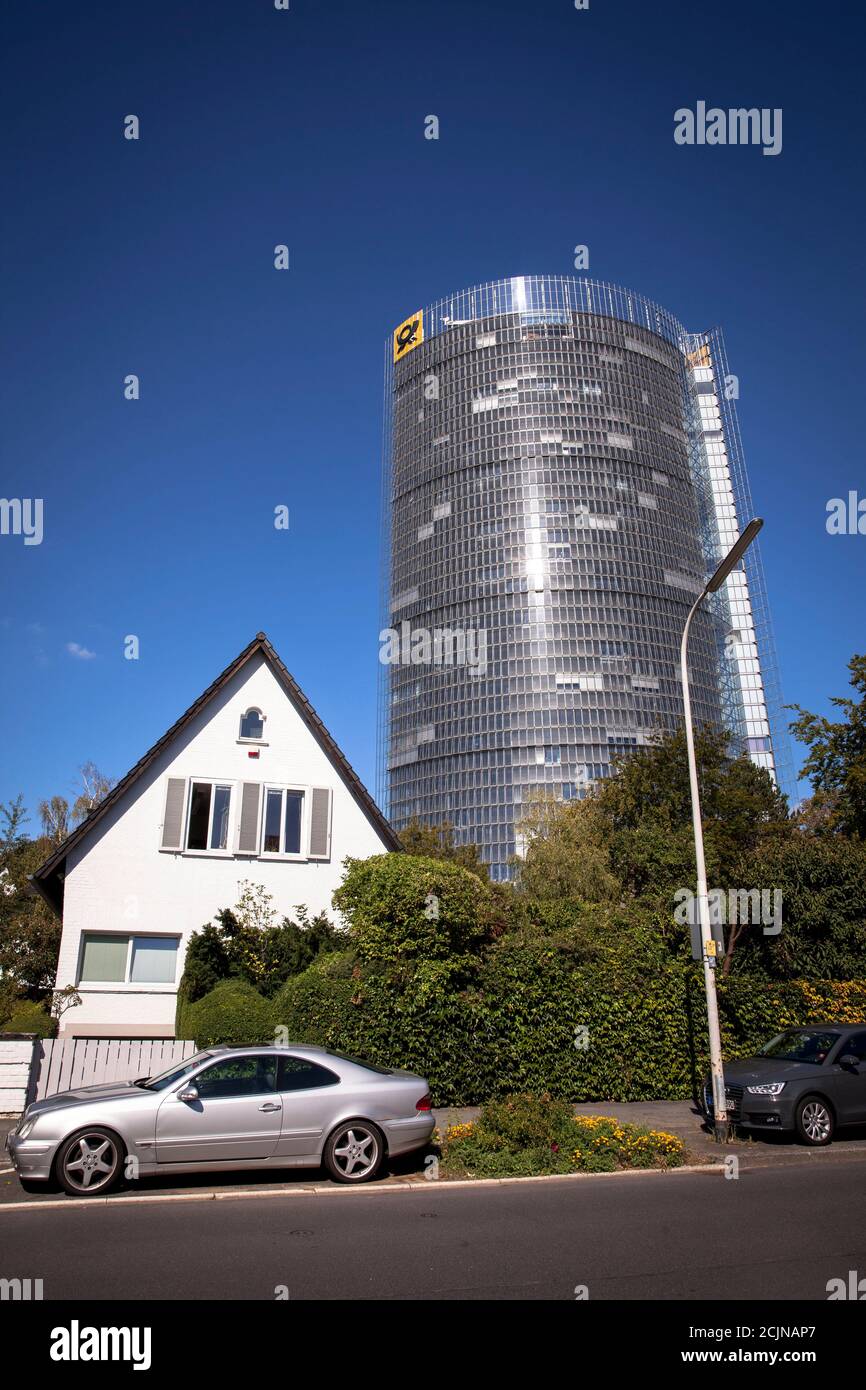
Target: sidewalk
[682,1118]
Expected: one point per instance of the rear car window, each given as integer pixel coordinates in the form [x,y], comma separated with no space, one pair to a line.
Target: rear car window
[299,1074]
[359,1062]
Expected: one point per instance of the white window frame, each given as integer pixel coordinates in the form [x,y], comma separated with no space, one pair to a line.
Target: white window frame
[284,787]
[257,742]
[127,983]
[213,783]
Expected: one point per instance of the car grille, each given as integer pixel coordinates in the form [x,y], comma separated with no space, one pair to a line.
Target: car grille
[733,1096]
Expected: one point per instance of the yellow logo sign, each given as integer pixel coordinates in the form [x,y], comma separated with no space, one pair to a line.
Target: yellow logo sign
[408,334]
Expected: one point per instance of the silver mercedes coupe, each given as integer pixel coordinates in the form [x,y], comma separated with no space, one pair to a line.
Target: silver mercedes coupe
[226,1108]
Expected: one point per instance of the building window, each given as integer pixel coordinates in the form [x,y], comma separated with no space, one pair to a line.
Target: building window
[283,821]
[252,725]
[208,825]
[120,959]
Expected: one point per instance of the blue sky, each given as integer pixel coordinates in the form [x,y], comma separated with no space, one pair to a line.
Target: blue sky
[261,388]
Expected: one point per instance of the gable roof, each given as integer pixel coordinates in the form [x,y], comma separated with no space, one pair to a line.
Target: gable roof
[47,880]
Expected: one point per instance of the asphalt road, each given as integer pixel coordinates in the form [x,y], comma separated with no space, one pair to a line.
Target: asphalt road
[773,1233]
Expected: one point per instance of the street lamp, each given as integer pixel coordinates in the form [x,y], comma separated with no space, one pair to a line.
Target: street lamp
[720,1108]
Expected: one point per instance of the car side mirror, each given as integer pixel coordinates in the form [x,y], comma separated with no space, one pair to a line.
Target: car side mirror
[849,1061]
[189,1093]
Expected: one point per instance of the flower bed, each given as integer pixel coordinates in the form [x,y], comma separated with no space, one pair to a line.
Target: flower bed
[524,1136]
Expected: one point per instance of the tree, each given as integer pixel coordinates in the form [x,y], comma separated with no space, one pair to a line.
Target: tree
[822,882]
[13,817]
[566,851]
[54,815]
[437,842]
[95,786]
[29,930]
[836,764]
[647,807]
[615,860]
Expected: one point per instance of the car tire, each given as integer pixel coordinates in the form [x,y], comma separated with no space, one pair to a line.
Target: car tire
[815,1121]
[90,1162]
[354,1151]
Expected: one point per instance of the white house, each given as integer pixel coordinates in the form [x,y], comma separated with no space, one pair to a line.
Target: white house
[247,785]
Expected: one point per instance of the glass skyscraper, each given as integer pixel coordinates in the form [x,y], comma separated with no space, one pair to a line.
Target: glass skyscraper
[562,472]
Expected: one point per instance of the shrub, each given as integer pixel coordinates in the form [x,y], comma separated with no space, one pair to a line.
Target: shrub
[403,908]
[29,1017]
[525,1135]
[245,943]
[526,1121]
[233,1012]
[206,963]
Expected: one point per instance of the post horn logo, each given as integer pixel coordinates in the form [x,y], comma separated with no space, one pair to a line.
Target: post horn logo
[408,335]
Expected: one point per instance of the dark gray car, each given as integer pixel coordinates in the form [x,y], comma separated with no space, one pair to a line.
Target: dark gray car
[807,1081]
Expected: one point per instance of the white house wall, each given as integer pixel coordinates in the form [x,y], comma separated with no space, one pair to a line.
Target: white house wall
[119,880]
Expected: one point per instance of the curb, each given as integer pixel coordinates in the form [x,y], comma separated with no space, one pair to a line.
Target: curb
[321,1190]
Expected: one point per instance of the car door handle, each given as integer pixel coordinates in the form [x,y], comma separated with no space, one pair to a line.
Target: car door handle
[269,1105]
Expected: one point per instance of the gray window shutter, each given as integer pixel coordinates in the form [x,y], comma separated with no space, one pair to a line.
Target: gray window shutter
[172,821]
[320,823]
[248,824]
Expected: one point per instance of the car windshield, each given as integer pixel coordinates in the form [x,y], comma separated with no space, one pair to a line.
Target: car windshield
[165,1078]
[801,1045]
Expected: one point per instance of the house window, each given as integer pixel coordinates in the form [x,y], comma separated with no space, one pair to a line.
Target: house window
[121,959]
[283,821]
[153,960]
[104,959]
[208,826]
[252,725]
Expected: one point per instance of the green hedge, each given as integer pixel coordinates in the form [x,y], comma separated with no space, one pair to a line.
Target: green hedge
[29,1017]
[232,1013]
[515,1027]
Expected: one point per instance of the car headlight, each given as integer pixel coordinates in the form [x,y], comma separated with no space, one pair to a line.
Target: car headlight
[24,1130]
[772,1088]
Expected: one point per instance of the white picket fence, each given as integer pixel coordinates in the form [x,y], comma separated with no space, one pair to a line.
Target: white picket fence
[61,1064]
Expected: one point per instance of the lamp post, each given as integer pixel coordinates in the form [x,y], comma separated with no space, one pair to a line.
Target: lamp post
[720,1109]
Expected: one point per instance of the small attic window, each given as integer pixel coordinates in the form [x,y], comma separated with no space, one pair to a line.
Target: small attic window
[252,725]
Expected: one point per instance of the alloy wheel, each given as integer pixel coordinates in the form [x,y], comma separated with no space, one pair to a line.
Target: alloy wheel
[356,1152]
[816,1121]
[90,1162]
